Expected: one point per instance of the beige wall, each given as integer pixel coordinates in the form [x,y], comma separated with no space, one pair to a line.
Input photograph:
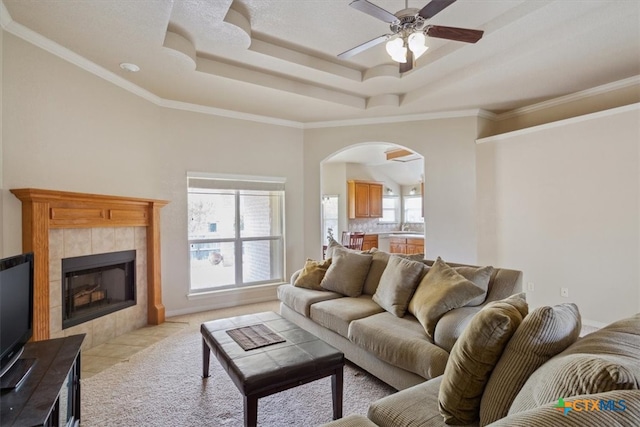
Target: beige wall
[561,203]
[448,147]
[66,129]
[69,130]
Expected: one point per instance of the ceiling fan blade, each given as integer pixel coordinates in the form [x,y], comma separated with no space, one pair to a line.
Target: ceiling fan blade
[433,8]
[373,10]
[364,46]
[453,33]
[407,66]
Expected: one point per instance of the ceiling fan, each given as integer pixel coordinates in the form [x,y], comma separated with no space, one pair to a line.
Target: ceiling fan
[408,30]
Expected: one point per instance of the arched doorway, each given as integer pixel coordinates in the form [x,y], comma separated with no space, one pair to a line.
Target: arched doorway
[399,170]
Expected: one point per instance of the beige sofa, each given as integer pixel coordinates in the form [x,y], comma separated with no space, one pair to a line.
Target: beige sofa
[593,382]
[395,349]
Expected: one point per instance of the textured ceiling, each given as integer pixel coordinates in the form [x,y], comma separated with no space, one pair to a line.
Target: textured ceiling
[278,58]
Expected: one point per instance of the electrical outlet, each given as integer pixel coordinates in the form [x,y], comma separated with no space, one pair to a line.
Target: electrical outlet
[564,292]
[530,287]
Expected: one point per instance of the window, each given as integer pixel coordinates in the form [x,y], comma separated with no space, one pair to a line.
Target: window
[329,216]
[413,209]
[390,205]
[235,232]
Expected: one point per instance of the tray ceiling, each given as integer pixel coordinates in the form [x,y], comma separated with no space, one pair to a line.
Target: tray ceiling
[278,58]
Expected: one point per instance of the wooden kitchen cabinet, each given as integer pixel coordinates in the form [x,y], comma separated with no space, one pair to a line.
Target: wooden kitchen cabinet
[397,245]
[409,246]
[370,241]
[364,199]
[415,246]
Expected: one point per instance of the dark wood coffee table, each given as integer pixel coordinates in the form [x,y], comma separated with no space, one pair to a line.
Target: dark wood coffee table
[257,373]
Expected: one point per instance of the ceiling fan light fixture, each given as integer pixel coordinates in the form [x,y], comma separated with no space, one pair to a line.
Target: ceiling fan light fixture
[416,42]
[397,50]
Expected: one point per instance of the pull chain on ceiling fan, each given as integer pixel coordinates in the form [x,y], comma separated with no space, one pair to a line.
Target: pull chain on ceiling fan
[406,43]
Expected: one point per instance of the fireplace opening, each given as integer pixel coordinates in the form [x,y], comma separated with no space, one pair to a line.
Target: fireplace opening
[96,285]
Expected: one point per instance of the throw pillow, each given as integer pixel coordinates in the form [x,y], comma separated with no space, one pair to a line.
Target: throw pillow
[412,257]
[473,357]
[545,332]
[312,274]
[347,272]
[378,265]
[574,374]
[333,244]
[601,361]
[480,277]
[441,290]
[397,284]
[553,414]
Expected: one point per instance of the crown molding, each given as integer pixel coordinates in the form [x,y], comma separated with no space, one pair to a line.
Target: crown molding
[577,96]
[564,122]
[400,119]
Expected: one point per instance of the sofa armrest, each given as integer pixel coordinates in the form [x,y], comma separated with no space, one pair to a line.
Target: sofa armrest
[294,276]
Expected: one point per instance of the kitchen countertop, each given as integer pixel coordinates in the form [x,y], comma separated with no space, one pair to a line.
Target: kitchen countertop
[408,235]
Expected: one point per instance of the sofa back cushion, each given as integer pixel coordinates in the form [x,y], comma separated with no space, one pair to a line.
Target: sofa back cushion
[602,361]
[473,357]
[347,272]
[397,284]
[378,264]
[545,332]
[480,277]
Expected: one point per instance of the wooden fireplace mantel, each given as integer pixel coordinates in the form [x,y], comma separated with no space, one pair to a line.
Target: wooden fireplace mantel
[43,210]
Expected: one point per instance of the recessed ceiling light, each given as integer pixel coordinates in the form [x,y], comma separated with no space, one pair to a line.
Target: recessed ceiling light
[132,68]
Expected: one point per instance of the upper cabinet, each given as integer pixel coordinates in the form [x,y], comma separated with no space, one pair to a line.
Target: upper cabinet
[365,199]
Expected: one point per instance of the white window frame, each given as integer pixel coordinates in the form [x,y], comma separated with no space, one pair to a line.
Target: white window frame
[396,210]
[405,209]
[239,184]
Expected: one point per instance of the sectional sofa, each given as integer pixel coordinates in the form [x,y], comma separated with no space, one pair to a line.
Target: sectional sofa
[594,381]
[341,302]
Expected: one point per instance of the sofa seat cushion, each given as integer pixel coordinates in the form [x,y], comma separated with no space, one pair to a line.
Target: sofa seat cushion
[337,314]
[352,420]
[301,299]
[415,406]
[602,361]
[400,341]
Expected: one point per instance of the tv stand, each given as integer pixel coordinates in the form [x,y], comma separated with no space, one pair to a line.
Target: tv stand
[50,393]
[14,377]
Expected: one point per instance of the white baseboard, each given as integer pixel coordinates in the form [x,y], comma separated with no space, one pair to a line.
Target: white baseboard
[227,298]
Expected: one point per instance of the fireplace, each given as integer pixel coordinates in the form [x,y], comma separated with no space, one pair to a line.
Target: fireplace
[96,285]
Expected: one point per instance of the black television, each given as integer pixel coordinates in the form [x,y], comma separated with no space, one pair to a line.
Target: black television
[16,315]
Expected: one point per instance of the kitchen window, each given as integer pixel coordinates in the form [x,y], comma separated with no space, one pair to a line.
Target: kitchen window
[413,209]
[235,231]
[390,209]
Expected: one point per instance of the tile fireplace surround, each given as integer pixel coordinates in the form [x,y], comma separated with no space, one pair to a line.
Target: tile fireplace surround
[58,225]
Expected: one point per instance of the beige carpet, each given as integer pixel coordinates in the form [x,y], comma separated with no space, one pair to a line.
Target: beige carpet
[162,386]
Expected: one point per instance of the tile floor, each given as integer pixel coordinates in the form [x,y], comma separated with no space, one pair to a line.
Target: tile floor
[121,348]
